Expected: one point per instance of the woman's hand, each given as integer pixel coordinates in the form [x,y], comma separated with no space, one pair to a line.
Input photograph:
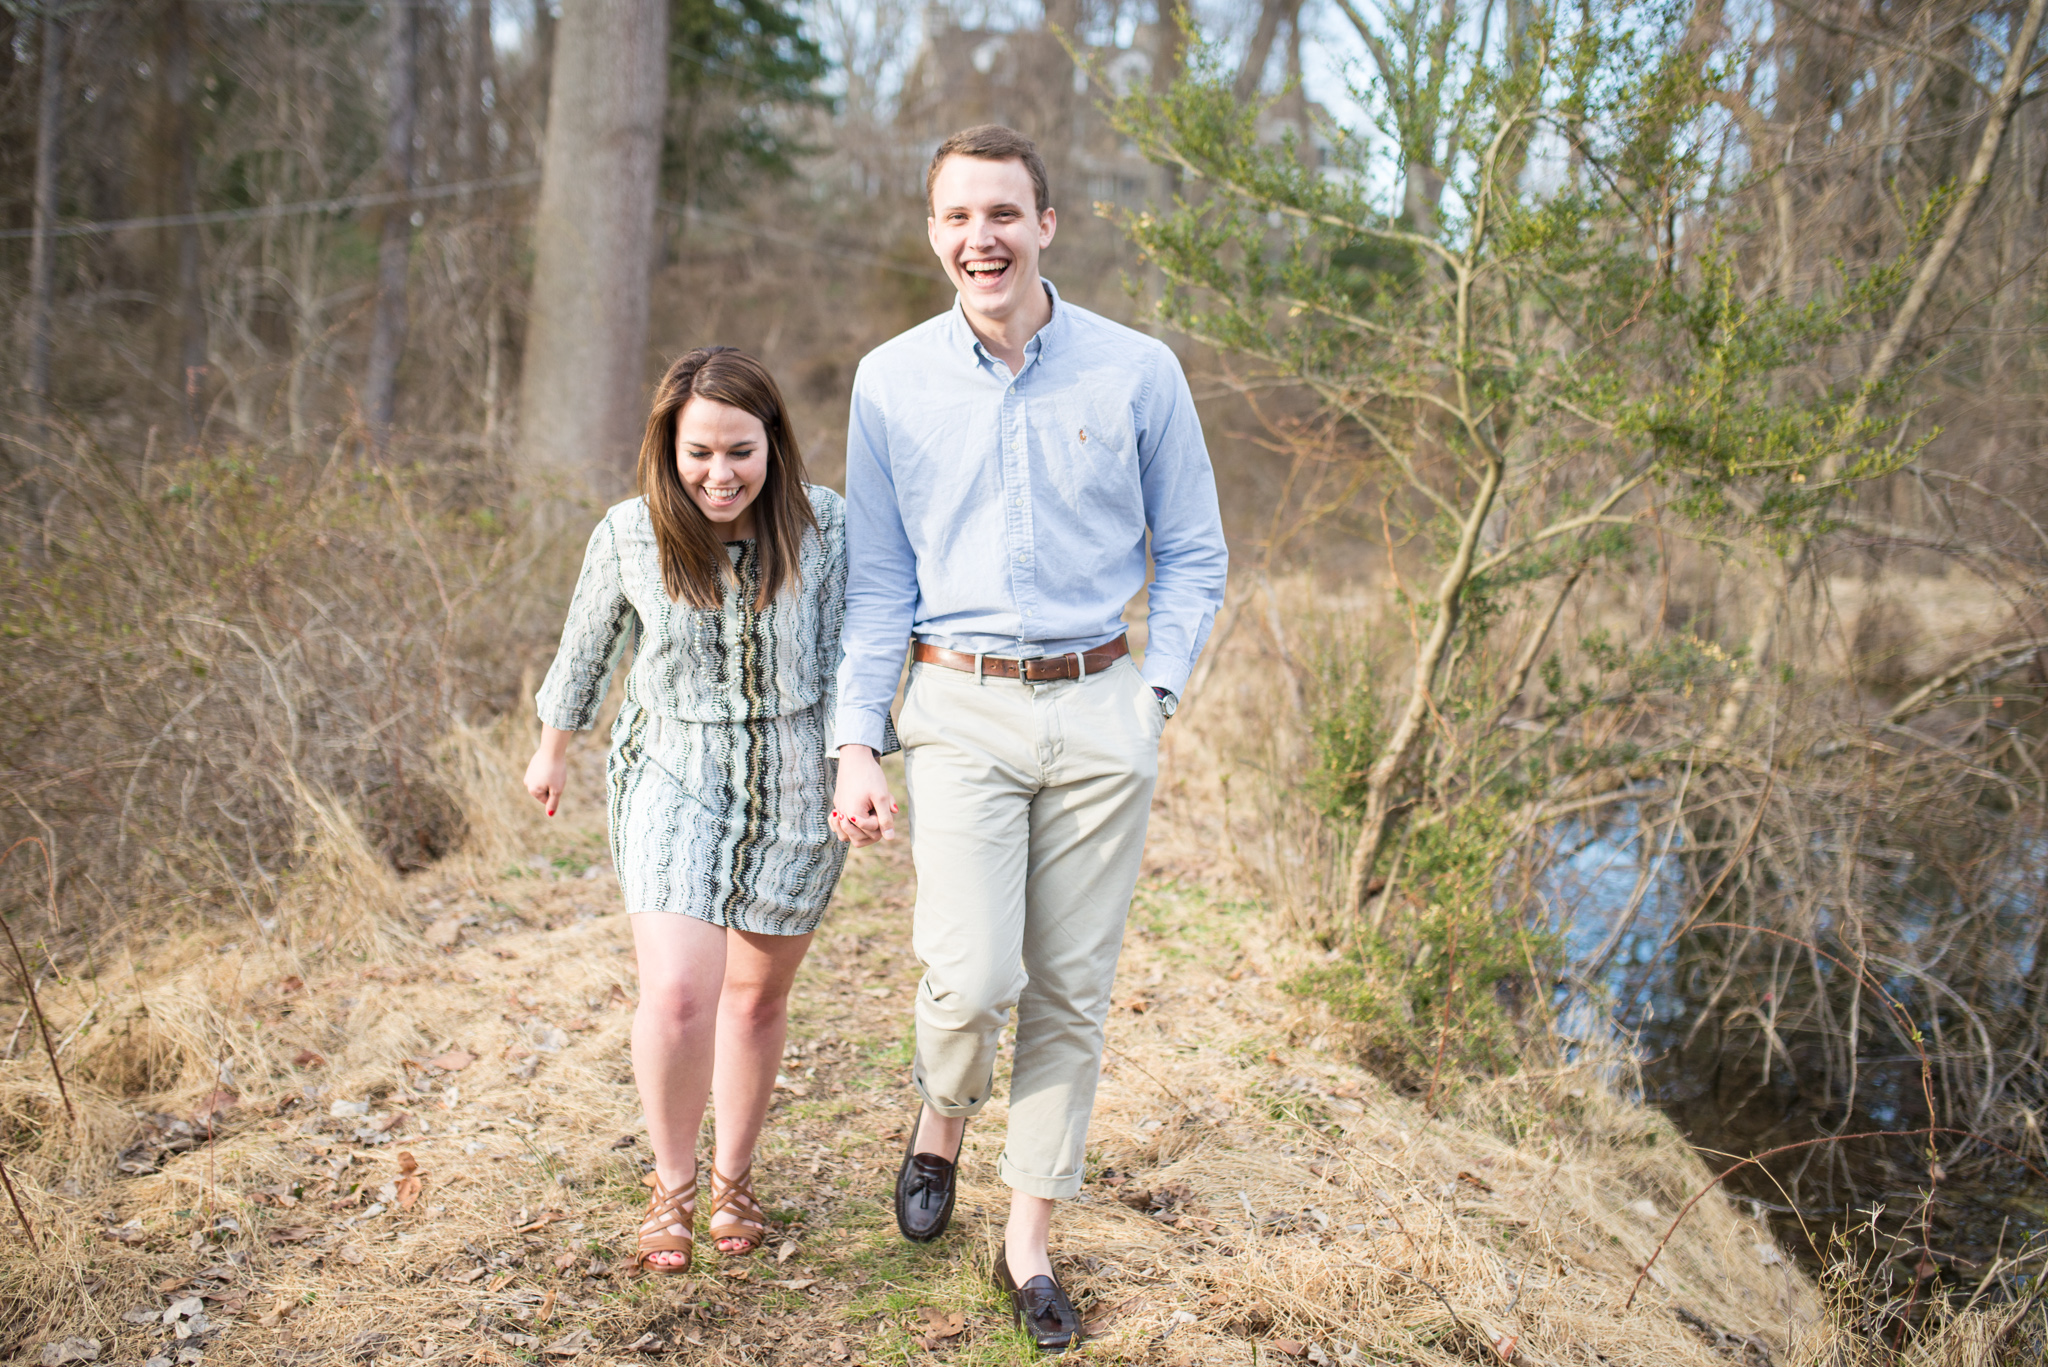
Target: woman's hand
[548,771]
[862,810]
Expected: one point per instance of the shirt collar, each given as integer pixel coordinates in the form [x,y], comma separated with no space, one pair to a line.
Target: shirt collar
[962,334]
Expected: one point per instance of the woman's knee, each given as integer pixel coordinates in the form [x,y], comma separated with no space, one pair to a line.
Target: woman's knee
[753,1005]
[676,1004]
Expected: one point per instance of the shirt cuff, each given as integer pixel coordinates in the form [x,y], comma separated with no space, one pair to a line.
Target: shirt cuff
[858,726]
[1171,675]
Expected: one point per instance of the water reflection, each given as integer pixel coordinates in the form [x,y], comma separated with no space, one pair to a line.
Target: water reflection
[1743,1035]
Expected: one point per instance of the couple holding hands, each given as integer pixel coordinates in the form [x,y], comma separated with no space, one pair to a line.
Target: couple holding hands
[1005,465]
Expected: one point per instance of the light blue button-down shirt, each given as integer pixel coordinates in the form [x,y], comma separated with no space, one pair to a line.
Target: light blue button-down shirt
[1007,514]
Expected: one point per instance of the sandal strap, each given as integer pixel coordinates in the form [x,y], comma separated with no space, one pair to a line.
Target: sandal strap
[666,1207]
[733,1206]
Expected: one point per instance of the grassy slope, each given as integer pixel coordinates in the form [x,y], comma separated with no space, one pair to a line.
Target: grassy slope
[1298,1204]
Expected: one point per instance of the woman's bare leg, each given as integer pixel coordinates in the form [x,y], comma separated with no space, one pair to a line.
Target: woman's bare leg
[753,1019]
[682,965]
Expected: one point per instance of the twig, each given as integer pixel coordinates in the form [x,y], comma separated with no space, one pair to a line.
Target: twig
[19,1213]
[21,963]
[1930,1131]
[1443,1032]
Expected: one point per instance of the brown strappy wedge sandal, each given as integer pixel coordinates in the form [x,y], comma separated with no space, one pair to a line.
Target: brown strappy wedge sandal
[735,1214]
[665,1208]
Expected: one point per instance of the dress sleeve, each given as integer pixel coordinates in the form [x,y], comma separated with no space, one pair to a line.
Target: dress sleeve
[602,622]
[832,618]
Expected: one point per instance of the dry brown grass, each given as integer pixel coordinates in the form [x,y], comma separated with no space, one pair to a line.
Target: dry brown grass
[1295,1199]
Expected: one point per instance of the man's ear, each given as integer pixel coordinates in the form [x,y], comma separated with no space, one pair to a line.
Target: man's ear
[1048,223]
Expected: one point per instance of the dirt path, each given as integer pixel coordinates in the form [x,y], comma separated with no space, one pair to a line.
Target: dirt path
[435,1156]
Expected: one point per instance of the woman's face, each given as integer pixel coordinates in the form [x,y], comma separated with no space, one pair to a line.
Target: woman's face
[722,456]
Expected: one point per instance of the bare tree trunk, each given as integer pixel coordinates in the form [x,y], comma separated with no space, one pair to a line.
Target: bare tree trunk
[472,119]
[1381,805]
[179,84]
[582,404]
[1271,12]
[394,247]
[544,49]
[42,259]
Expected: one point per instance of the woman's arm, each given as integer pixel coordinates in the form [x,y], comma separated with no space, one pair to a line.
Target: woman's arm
[600,620]
[549,768]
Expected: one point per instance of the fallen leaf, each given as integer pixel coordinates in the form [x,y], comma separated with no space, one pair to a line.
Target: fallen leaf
[1099,1323]
[564,1262]
[569,1345]
[624,1141]
[408,1191]
[544,1219]
[646,1343]
[498,1283]
[277,1314]
[1504,1344]
[60,1351]
[1471,1181]
[446,932]
[287,986]
[391,1122]
[520,1340]
[351,1255]
[142,1314]
[836,1350]
[291,1234]
[547,1308]
[1137,1006]
[1288,1346]
[940,1325]
[308,1058]
[217,1104]
[279,1195]
[797,1284]
[407,1164]
[170,1284]
[786,1252]
[454,1061]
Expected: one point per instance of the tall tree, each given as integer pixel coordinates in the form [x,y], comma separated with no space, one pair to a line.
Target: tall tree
[42,261]
[581,399]
[735,65]
[472,117]
[394,246]
[180,87]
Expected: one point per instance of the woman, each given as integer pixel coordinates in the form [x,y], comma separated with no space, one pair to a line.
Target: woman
[727,576]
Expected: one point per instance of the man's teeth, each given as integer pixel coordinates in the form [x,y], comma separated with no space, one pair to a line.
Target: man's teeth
[986,267]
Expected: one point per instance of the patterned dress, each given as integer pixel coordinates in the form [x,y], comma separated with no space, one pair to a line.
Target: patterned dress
[719,780]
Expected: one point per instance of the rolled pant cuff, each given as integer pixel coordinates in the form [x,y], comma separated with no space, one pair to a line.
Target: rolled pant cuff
[1062,1188]
[941,1108]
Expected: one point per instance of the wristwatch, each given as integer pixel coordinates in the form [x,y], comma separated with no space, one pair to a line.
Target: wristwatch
[1168,702]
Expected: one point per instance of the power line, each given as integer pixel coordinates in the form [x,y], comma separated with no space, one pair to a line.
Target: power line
[310,206]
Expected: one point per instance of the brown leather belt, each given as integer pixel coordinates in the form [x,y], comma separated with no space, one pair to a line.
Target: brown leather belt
[1072,665]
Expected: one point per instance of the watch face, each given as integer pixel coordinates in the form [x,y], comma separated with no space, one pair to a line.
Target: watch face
[1168,703]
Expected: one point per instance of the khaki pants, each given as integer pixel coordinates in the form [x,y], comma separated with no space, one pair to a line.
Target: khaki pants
[1028,805]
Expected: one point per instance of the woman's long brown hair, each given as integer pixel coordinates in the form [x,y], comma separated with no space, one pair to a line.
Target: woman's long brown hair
[694,566]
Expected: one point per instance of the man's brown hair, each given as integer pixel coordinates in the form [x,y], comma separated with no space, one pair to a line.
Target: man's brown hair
[991,142]
[694,567]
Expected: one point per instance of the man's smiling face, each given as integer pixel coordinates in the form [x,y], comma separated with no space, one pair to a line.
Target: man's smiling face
[988,230]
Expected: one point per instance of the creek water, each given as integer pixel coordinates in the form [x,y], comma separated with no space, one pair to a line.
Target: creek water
[1711,1053]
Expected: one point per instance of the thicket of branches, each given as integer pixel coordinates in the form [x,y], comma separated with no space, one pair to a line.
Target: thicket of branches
[1676,324]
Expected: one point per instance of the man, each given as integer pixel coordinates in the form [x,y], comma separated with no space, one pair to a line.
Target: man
[1005,462]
